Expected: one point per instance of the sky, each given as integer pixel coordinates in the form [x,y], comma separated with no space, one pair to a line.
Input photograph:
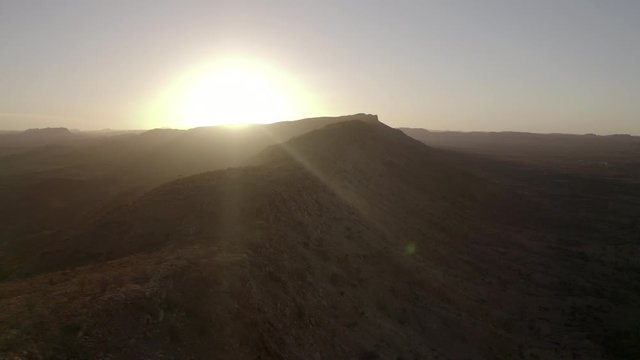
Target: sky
[541,66]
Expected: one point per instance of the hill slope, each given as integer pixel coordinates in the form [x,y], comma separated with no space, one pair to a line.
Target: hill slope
[51,188]
[351,241]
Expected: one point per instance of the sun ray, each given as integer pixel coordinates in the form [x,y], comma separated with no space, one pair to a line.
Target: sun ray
[349,197]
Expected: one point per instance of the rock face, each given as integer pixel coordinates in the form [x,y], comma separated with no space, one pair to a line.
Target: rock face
[352,241]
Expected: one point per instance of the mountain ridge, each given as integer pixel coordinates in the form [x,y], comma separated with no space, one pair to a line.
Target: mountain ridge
[349,241]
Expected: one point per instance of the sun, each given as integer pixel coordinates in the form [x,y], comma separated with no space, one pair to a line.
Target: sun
[231,91]
[234,95]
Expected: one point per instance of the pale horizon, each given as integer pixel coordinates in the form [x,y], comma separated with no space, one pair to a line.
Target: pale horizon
[289,120]
[542,67]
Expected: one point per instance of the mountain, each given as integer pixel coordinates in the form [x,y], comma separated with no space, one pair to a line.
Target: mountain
[161,154]
[348,241]
[47,188]
[34,137]
[356,160]
[14,142]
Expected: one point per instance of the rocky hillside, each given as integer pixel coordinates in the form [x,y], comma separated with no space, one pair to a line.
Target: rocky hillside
[352,241]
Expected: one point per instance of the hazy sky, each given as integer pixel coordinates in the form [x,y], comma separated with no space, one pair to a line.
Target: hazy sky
[543,66]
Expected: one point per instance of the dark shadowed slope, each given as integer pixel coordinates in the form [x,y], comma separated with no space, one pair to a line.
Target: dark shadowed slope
[352,241]
[587,191]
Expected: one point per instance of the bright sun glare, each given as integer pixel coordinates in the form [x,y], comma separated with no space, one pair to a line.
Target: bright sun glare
[233,91]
